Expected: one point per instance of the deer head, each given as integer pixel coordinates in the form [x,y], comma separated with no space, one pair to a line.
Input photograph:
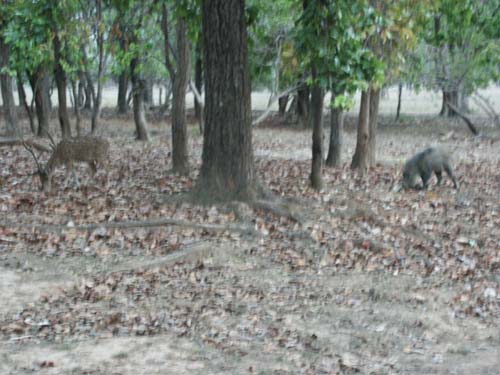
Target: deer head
[87,149]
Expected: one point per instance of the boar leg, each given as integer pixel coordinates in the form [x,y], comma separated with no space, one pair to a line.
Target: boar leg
[425,174]
[439,176]
[449,172]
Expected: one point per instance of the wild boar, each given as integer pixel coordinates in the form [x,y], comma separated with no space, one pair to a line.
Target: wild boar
[432,159]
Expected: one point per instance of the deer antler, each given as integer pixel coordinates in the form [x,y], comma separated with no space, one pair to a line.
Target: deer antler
[53,144]
[30,150]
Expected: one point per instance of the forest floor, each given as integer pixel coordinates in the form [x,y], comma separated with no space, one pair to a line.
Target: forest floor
[360,279]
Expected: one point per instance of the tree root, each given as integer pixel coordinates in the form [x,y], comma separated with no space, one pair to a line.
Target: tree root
[279,208]
[137,224]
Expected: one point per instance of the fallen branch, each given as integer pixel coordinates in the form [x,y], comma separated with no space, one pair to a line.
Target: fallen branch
[196,93]
[278,208]
[189,254]
[266,113]
[138,224]
[486,106]
[14,141]
[469,123]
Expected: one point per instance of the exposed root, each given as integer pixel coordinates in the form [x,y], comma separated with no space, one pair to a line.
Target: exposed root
[136,224]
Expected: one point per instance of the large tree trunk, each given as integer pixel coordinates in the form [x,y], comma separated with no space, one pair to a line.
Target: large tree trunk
[452,98]
[24,102]
[336,129]
[179,132]
[60,76]
[372,123]
[9,106]
[40,82]
[360,160]
[97,98]
[141,124]
[198,82]
[227,170]
[317,95]
[122,105]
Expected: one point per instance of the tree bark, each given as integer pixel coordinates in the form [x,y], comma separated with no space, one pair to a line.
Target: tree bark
[336,129]
[179,74]
[303,106]
[141,124]
[450,96]
[372,123]
[122,105]
[282,103]
[39,81]
[9,106]
[198,82]
[24,102]
[148,92]
[89,87]
[180,157]
[76,108]
[400,93]
[97,98]
[60,76]
[317,95]
[360,160]
[227,170]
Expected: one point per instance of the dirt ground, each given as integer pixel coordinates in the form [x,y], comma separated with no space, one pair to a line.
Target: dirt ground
[359,279]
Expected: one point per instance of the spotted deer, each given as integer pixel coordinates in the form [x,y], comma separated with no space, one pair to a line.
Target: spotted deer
[85,149]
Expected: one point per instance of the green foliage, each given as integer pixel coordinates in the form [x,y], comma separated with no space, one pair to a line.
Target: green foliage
[269,27]
[460,46]
[332,37]
[28,31]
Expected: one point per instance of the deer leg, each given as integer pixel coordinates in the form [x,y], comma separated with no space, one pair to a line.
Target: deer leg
[73,174]
[93,171]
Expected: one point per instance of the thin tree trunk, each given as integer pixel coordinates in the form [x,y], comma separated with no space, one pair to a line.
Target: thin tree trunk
[317,95]
[39,81]
[179,76]
[23,101]
[227,169]
[336,129]
[400,93]
[198,82]
[89,88]
[360,160]
[303,106]
[123,78]
[372,123]
[76,108]
[141,124]
[9,105]
[60,76]
[282,103]
[81,90]
[179,132]
[97,98]
[148,92]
